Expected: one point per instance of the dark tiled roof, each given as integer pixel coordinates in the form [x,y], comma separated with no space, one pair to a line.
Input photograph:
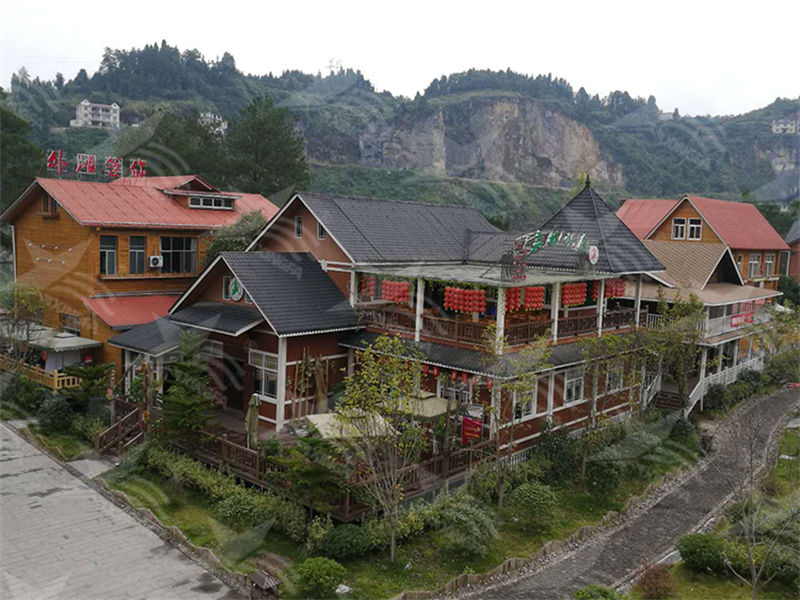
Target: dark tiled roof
[794,233]
[154,338]
[374,231]
[292,291]
[620,250]
[463,359]
[222,317]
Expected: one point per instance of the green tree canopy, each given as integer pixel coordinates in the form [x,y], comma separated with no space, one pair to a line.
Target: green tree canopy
[21,158]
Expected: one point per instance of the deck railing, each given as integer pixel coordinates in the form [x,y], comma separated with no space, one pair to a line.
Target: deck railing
[55,380]
[727,376]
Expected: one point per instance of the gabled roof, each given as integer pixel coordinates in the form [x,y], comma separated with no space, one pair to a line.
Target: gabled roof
[167,181]
[379,231]
[641,215]
[740,224]
[620,250]
[220,317]
[125,311]
[794,233]
[289,289]
[689,266]
[154,338]
[137,205]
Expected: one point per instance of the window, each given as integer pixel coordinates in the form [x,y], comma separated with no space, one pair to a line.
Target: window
[137,249]
[266,373]
[213,349]
[573,386]
[695,229]
[217,203]
[755,266]
[769,265]
[678,229]
[180,254]
[457,391]
[525,407]
[614,378]
[783,263]
[320,232]
[49,205]
[70,323]
[298,226]
[108,255]
[226,288]
[739,263]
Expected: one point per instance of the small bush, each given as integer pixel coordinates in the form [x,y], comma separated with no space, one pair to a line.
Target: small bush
[783,367]
[318,529]
[468,528]
[603,478]
[739,391]
[532,503]
[657,582]
[239,512]
[703,552]
[784,570]
[596,592]
[86,427]
[346,541]
[751,377]
[55,414]
[21,391]
[716,397]
[683,432]
[532,469]
[317,577]
[561,455]
[483,483]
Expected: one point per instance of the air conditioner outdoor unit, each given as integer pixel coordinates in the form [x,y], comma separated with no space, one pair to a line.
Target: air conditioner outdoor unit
[156,262]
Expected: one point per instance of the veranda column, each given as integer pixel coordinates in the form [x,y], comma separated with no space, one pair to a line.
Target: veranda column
[500,319]
[280,406]
[721,358]
[750,347]
[600,301]
[703,361]
[551,388]
[353,288]
[420,306]
[638,300]
[735,352]
[555,301]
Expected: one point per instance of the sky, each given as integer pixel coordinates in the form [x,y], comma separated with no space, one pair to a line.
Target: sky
[700,57]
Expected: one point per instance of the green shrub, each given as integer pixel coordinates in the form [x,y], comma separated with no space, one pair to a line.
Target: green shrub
[483,483]
[318,530]
[55,414]
[739,391]
[467,527]
[22,392]
[596,592]
[529,470]
[657,582]
[751,377]
[783,367]
[683,432]
[716,397]
[561,455]
[532,504]
[603,478]
[703,552]
[86,427]
[317,577]
[784,570]
[346,541]
[240,512]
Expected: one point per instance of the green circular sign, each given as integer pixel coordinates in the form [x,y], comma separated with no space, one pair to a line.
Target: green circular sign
[235,290]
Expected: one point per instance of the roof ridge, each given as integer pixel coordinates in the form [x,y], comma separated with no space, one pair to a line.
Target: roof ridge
[391,200]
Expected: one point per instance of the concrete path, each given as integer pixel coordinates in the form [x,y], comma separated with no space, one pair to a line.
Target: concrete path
[651,533]
[59,539]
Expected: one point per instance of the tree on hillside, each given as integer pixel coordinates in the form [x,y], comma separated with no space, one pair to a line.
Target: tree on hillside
[236,237]
[266,150]
[21,158]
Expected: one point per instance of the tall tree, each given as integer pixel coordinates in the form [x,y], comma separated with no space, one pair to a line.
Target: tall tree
[21,158]
[24,306]
[237,236]
[267,151]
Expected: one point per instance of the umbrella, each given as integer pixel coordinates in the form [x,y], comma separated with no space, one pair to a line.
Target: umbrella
[251,421]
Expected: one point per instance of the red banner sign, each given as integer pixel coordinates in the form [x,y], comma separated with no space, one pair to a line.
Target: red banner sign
[86,164]
[470,429]
[742,319]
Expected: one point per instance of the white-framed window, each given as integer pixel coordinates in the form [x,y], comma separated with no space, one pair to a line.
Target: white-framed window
[321,233]
[695,229]
[298,226]
[265,366]
[137,251]
[573,386]
[213,349]
[755,266]
[678,229]
[226,287]
[525,405]
[458,391]
[739,263]
[179,254]
[615,377]
[769,265]
[217,203]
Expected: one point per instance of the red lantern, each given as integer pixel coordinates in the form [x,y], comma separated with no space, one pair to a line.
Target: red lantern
[490,383]
[453,375]
[464,378]
[425,368]
[435,371]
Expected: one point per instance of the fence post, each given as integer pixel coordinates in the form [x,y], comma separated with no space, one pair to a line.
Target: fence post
[119,436]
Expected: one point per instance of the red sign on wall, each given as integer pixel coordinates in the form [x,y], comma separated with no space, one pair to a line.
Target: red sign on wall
[742,319]
[470,429]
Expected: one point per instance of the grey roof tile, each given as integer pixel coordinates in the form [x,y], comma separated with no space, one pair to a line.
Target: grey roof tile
[222,317]
[154,338]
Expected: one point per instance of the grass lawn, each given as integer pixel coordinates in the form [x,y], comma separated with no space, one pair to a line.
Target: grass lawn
[698,586]
[64,445]
[8,412]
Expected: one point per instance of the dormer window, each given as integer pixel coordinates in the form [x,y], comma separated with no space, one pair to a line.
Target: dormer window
[678,229]
[695,229]
[49,206]
[212,203]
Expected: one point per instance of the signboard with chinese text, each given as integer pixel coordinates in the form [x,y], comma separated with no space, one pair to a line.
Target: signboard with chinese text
[86,164]
[470,429]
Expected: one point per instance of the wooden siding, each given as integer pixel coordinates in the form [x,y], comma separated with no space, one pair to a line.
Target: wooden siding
[685,211]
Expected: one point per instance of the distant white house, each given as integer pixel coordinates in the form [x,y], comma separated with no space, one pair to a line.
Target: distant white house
[217,124]
[89,114]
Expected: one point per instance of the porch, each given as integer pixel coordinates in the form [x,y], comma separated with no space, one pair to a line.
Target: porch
[55,380]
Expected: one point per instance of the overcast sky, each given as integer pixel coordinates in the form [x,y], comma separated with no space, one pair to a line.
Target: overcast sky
[701,57]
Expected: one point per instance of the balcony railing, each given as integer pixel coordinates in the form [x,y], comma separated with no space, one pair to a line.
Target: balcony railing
[725,377]
[55,380]
[719,325]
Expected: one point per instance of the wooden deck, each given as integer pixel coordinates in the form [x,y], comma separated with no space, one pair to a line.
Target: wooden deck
[55,380]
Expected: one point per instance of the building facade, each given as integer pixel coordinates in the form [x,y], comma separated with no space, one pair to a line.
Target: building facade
[91,114]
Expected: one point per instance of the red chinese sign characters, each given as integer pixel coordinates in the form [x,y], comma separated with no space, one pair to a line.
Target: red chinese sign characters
[86,164]
[55,161]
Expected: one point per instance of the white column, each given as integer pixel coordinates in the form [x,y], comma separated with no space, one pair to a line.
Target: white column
[555,301]
[601,293]
[280,405]
[420,306]
[703,361]
[735,352]
[749,347]
[551,388]
[353,288]
[721,357]
[500,319]
[638,301]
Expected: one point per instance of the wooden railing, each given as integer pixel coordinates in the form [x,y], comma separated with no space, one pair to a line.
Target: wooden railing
[389,316]
[524,333]
[619,319]
[55,380]
[125,432]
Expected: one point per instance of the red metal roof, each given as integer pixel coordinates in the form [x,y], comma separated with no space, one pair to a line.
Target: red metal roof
[95,204]
[740,224]
[642,214]
[125,311]
[168,181]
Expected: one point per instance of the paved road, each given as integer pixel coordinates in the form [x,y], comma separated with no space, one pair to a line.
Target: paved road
[651,533]
[60,539]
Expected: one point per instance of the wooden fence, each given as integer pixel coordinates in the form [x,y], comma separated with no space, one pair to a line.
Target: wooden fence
[55,380]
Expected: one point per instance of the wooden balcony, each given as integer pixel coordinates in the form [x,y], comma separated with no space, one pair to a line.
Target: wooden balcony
[55,380]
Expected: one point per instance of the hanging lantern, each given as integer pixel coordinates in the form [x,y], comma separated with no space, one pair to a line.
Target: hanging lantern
[453,375]
[464,377]
[490,383]
[476,380]
[435,371]
[424,369]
